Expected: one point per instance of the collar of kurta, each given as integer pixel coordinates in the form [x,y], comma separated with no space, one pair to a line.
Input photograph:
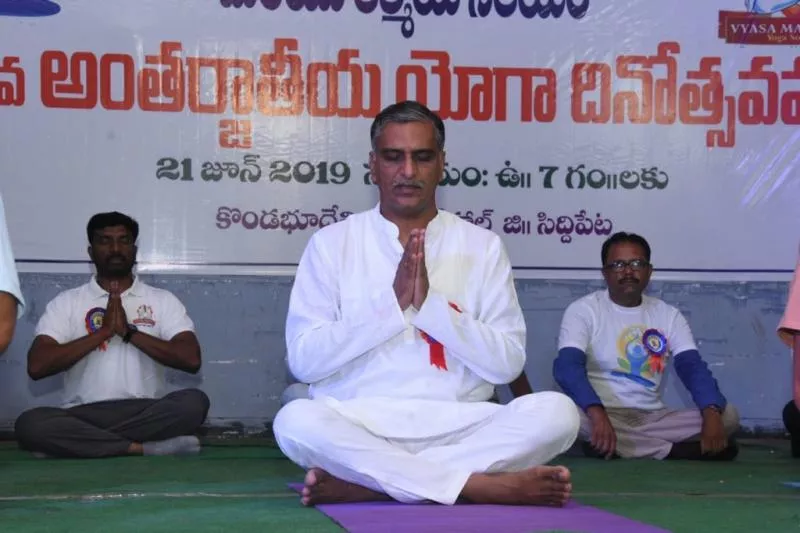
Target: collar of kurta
[391,229]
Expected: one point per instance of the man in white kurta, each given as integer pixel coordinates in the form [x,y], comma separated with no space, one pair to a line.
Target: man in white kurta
[12,304]
[398,393]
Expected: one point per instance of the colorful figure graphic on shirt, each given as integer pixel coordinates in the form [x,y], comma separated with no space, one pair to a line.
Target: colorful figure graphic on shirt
[641,353]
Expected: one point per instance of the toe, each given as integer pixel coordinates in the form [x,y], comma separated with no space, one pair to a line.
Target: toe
[563,474]
[314,476]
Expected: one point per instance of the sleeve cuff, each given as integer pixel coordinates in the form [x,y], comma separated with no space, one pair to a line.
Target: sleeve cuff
[786,332]
[385,307]
[53,335]
[434,314]
[16,293]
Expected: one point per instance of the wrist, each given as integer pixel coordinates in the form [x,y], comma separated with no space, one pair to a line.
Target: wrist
[712,410]
[595,410]
[129,332]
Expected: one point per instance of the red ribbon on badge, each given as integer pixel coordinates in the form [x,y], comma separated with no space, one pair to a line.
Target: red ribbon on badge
[435,347]
[436,351]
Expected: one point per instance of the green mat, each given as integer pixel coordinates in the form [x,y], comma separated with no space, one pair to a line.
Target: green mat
[243,489]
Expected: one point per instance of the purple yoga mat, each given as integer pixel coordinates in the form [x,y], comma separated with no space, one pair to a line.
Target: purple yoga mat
[393,517]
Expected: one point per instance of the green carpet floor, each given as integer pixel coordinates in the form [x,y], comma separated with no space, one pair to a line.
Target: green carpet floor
[243,489]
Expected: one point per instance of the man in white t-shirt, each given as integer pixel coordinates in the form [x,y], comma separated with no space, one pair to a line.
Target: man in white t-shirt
[112,338]
[614,348]
[12,305]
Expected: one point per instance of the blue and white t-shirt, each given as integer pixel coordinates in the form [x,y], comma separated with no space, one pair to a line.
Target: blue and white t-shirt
[625,352]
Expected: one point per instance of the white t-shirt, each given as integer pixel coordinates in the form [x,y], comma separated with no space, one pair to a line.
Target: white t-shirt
[621,369]
[9,280]
[115,370]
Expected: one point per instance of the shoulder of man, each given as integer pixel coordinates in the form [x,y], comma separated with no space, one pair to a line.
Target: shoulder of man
[587,304]
[67,302]
[666,310]
[593,299]
[659,304]
[474,231]
[336,229]
[72,293]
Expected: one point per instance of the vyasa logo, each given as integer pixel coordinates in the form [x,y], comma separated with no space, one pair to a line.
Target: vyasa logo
[28,8]
[763,22]
[770,7]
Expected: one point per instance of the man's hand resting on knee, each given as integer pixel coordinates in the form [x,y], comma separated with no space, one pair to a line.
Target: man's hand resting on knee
[712,434]
[604,438]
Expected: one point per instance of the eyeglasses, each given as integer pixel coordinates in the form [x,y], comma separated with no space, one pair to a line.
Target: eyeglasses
[619,266]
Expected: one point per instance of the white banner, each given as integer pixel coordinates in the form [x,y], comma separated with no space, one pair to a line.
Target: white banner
[232,130]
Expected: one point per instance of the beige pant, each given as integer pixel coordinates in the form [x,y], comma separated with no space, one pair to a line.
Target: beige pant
[651,434]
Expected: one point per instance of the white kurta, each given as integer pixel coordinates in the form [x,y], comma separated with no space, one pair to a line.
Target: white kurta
[9,279]
[370,368]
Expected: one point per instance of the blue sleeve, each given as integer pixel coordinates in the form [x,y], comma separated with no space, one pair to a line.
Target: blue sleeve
[569,371]
[697,379]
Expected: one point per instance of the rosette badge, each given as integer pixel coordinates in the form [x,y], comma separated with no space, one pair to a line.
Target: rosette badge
[655,342]
[94,319]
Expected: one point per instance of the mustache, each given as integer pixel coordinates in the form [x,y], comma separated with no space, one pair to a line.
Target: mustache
[629,279]
[417,184]
[116,256]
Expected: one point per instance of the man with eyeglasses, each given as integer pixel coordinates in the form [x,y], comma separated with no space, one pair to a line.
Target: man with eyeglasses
[614,348]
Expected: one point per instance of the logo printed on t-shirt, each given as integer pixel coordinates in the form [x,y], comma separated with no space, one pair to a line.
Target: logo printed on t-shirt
[144,316]
[94,321]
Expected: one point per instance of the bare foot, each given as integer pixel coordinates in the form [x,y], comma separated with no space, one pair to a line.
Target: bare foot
[540,485]
[321,487]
